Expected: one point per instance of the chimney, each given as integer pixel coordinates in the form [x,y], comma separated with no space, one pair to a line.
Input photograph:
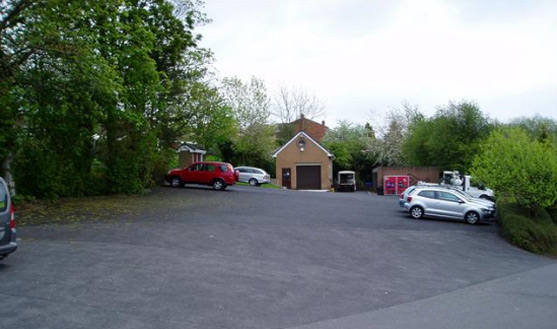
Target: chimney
[323,122]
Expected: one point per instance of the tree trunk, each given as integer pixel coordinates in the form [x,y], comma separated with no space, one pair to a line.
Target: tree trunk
[6,170]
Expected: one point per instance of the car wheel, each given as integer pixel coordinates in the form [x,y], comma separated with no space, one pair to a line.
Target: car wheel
[416,212]
[219,185]
[483,196]
[176,182]
[253,182]
[472,217]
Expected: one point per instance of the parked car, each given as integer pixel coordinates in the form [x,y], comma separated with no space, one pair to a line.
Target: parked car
[8,242]
[404,195]
[346,180]
[219,175]
[253,176]
[446,203]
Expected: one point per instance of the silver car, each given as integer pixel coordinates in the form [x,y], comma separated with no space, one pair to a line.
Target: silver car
[446,203]
[253,176]
[7,222]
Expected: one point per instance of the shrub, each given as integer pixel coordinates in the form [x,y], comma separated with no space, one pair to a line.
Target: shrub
[519,169]
[537,234]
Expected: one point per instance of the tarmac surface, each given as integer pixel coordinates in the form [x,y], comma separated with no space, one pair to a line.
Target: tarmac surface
[250,257]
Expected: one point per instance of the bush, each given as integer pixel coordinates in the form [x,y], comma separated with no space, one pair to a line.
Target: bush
[519,169]
[536,234]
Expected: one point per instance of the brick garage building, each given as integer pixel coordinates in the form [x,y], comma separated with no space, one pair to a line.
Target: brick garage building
[304,164]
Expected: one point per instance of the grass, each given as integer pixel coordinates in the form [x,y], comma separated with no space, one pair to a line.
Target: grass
[97,209]
[537,234]
[262,185]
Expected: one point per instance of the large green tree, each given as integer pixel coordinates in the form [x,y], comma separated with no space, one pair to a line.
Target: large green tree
[251,105]
[449,140]
[93,91]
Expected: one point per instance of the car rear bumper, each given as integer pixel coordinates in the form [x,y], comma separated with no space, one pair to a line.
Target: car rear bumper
[7,249]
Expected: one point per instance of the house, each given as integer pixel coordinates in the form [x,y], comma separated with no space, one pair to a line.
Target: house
[304,164]
[316,130]
[189,153]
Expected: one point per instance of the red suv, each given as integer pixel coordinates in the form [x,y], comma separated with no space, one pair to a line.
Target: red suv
[216,174]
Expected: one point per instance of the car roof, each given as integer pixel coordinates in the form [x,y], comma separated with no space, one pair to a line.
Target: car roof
[210,162]
[248,167]
[433,188]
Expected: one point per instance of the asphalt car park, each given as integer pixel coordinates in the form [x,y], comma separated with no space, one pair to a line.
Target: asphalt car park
[243,258]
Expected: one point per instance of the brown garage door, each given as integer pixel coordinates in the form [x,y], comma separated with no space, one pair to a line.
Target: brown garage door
[308,177]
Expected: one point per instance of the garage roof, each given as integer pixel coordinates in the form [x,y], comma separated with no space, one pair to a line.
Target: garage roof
[303,134]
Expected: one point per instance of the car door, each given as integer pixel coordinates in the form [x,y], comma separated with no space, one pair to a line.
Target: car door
[208,173]
[449,204]
[191,173]
[243,175]
[429,201]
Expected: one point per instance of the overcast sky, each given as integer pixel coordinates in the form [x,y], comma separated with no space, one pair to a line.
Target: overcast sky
[363,58]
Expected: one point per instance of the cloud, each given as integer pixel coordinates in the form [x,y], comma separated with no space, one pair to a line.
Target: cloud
[367,54]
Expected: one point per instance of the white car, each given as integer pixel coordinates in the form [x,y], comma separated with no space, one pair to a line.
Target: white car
[253,176]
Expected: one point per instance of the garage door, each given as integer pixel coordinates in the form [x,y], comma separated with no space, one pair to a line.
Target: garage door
[308,177]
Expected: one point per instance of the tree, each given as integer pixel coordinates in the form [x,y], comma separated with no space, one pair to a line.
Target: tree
[92,91]
[292,103]
[520,169]
[347,142]
[449,140]
[387,148]
[212,121]
[249,100]
[251,105]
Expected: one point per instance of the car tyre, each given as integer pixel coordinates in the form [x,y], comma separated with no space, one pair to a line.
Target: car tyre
[253,182]
[472,217]
[416,212]
[219,185]
[175,181]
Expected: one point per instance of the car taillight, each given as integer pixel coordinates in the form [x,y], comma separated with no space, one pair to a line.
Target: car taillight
[12,217]
[409,199]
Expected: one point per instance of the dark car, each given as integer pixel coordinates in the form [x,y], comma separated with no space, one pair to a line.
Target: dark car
[7,222]
[216,174]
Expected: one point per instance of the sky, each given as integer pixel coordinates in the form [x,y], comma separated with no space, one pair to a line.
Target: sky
[363,58]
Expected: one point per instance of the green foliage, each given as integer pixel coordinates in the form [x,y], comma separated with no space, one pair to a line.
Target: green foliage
[347,142]
[519,169]
[537,233]
[94,93]
[255,140]
[448,140]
